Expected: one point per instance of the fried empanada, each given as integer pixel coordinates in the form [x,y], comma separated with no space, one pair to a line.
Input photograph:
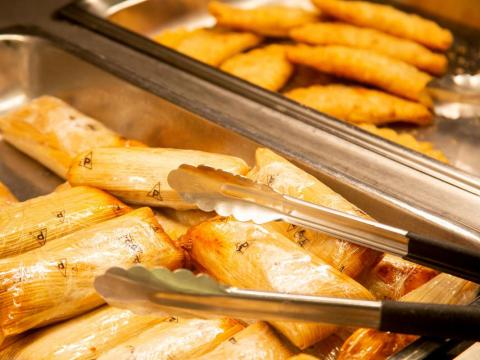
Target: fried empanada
[370,39]
[365,66]
[361,105]
[267,67]
[406,140]
[270,20]
[388,19]
[211,46]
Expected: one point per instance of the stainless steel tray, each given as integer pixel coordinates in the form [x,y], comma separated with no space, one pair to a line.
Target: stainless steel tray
[34,66]
[459,139]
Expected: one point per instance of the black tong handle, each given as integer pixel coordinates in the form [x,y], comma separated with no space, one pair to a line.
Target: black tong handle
[446,321]
[451,258]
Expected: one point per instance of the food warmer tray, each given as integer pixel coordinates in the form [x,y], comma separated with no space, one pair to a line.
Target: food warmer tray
[145,99]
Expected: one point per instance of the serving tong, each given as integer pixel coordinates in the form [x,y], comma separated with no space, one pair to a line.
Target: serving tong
[184,294]
[227,194]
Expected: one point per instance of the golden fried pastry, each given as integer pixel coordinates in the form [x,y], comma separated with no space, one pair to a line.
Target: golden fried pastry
[271,20]
[365,66]
[388,19]
[370,39]
[407,140]
[305,76]
[361,105]
[267,67]
[211,46]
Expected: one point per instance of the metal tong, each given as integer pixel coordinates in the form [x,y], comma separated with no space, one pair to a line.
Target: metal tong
[227,194]
[184,294]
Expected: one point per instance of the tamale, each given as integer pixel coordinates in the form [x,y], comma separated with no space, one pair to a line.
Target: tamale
[139,175]
[394,277]
[269,20]
[34,223]
[249,256]
[175,339]
[373,344]
[211,46]
[188,217]
[84,337]
[172,228]
[406,140]
[329,348]
[257,341]
[335,33]
[6,197]
[266,67]
[288,179]
[357,104]
[365,66]
[303,357]
[53,133]
[388,19]
[55,282]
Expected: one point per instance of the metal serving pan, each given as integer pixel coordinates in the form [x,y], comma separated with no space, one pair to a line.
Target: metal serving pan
[457,138]
[34,66]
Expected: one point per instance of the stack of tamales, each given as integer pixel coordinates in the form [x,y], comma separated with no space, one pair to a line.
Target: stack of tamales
[54,245]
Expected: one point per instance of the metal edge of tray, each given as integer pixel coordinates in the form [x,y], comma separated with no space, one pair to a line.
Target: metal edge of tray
[94,17]
[435,206]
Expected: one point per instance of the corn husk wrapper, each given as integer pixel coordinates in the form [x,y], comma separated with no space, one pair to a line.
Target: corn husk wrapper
[303,357]
[175,339]
[257,341]
[56,281]
[329,348]
[53,133]
[172,228]
[6,197]
[81,338]
[288,179]
[394,277]
[188,217]
[374,344]
[139,175]
[34,223]
[249,256]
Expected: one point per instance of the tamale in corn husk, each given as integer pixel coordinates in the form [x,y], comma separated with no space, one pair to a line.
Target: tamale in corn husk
[394,277]
[55,282]
[188,217]
[249,256]
[81,338]
[329,348]
[172,228]
[6,197]
[53,133]
[257,341]
[288,179]
[139,175]
[303,357]
[373,344]
[34,223]
[175,339]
